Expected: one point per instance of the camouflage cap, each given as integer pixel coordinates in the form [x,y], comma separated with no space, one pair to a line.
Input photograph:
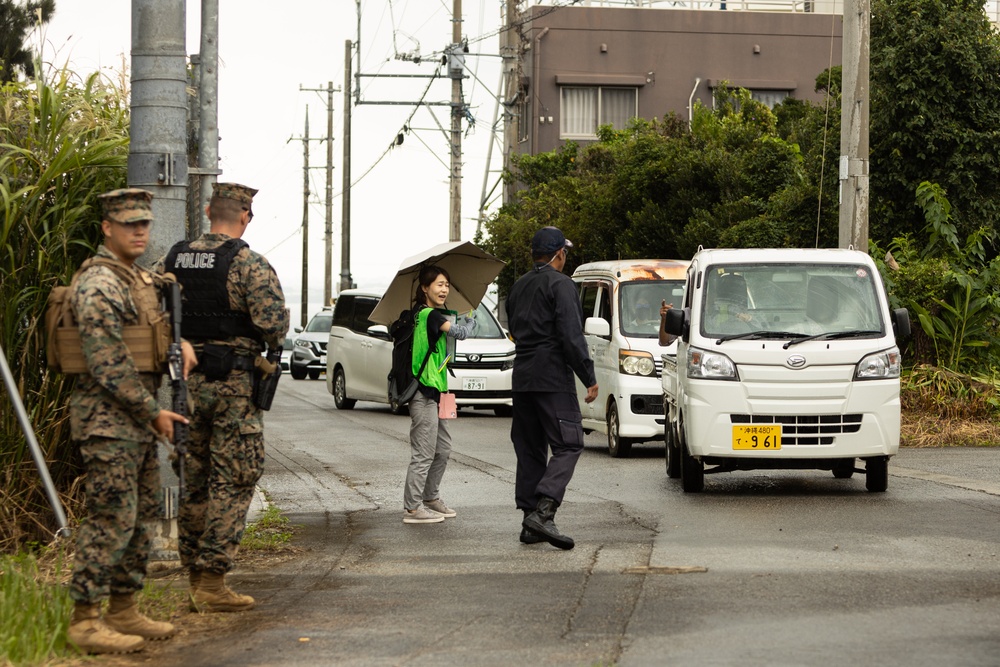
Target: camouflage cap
[126,205]
[240,193]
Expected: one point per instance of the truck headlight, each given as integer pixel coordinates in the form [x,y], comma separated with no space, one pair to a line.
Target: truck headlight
[879,366]
[633,362]
[710,365]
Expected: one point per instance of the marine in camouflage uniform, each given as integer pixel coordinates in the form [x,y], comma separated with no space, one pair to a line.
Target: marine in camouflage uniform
[225,456]
[115,419]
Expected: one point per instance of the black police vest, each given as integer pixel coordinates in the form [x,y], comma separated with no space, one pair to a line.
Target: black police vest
[205,311]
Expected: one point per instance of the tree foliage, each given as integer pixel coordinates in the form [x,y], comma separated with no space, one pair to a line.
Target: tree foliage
[16,20]
[935,82]
[660,188]
[61,144]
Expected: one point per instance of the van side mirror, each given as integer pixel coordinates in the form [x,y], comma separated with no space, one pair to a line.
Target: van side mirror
[379,331]
[901,322]
[597,326]
[298,329]
[676,323]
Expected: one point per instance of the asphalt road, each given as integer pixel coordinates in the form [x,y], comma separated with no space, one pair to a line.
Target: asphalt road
[777,568]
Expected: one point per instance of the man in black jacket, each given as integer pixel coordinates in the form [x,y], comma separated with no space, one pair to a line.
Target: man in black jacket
[546,322]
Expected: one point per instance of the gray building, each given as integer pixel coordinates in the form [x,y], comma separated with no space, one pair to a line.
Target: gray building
[570,69]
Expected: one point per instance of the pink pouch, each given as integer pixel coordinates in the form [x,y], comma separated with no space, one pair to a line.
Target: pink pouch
[446,407]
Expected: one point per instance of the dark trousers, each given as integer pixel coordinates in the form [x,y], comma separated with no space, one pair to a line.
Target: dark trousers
[541,421]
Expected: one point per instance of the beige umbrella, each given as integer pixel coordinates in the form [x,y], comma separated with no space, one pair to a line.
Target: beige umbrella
[471,270]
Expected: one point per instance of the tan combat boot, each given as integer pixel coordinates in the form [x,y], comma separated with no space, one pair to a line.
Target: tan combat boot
[214,595]
[90,634]
[194,580]
[124,616]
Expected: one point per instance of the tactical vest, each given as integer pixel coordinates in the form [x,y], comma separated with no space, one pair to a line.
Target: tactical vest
[146,341]
[206,314]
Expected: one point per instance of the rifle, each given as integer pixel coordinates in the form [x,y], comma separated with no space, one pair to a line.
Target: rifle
[178,386]
[266,376]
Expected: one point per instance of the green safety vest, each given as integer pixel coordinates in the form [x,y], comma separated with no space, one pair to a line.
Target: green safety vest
[435,373]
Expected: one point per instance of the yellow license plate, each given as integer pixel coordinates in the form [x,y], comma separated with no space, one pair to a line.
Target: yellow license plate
[757,436]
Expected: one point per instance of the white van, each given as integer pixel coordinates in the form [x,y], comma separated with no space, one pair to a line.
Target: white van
[787,358]
[621,309]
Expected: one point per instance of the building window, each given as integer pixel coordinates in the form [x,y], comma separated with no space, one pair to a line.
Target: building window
[584,109]
[769,97]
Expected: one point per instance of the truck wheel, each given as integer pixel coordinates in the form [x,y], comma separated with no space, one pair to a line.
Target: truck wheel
[844,470]
[618,447]
[314,373]
[692,472]
[340,391]
[297,372]
[877,474]
[673,452]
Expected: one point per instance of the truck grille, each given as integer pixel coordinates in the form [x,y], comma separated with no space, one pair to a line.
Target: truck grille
[805,429]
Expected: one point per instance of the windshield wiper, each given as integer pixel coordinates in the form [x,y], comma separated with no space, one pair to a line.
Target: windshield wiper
[833,335]
[756,335]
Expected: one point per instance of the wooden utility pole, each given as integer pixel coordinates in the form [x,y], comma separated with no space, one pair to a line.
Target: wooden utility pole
[328,275]
[855,100]
[456,69]
[305,223]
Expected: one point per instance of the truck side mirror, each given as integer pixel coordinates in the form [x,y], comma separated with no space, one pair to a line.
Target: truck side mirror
[901,322]
[597,326]
[676,323]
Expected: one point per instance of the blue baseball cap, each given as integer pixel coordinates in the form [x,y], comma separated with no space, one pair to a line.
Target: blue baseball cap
[548,240]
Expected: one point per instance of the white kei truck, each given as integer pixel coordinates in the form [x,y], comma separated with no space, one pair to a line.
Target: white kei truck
[786,359]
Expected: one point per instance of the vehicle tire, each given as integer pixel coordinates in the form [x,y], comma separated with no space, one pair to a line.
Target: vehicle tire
[298,373]
[844,470]
[618,447]
[503,411]
[692,472]
[877,474]
[340,391]
[673,453]
[314,373]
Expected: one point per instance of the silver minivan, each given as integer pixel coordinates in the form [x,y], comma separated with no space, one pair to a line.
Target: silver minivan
[359,356]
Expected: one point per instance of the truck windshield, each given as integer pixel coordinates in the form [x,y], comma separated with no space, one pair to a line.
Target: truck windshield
[785,301]
[640,302]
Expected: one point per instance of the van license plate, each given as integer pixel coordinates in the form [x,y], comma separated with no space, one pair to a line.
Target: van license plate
[757,436]
[474,384]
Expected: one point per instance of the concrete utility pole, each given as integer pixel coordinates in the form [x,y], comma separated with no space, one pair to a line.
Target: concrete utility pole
[456,69]
[305,223]
[345,200]
[855,101]
[208,104]
[157,159]
[328,276]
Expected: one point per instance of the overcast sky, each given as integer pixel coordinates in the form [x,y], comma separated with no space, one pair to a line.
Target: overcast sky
[269,50]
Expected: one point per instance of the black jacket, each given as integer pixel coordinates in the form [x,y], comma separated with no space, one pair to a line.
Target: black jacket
[546,321]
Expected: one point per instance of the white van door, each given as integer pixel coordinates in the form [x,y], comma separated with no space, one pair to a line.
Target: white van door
[596,298]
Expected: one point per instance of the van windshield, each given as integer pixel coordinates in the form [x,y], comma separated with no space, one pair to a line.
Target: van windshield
[639,302]
[790,300]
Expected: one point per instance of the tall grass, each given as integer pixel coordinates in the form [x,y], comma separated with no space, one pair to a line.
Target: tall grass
[62,143]
[36,610]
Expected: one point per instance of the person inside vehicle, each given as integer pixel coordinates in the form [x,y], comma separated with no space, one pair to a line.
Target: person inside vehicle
[728,308]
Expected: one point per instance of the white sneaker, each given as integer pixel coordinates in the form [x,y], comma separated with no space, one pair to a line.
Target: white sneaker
[437,505]
[422,515]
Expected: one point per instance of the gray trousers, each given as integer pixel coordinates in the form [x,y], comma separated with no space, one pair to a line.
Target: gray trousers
[430,447]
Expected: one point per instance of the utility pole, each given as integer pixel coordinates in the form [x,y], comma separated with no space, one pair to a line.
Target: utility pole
[456,69]
[328,276]
[345,211]
[855,100]
[305,223]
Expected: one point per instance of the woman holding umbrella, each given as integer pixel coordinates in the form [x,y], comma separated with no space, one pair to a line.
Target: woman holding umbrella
[430,442]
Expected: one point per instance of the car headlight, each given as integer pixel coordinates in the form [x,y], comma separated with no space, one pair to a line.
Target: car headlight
[710,365]
[506,364]
[632,362]
[302,343]
[879,366]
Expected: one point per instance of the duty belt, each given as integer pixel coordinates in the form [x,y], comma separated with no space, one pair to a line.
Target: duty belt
[241,363]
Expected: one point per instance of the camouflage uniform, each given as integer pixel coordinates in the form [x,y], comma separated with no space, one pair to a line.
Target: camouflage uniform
[110,413]
[225,456]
